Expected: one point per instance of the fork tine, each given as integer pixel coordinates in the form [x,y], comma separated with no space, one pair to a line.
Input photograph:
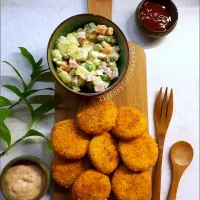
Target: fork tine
[170,105]
[164,105]
[157,108]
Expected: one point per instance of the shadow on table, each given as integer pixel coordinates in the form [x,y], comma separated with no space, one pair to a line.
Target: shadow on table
[46,77]
[14,80]
[11,80]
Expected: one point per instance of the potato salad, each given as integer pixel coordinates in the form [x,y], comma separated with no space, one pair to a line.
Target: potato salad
[86,60]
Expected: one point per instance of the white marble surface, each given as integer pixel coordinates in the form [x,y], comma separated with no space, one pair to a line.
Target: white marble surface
[172,61]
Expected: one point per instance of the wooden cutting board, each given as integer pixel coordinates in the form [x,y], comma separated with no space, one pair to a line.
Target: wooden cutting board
[131,91]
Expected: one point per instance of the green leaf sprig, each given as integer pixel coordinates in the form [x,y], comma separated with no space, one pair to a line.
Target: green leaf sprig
[6,105]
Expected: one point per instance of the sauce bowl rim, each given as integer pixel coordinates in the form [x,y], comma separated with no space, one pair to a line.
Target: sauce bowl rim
[37,161]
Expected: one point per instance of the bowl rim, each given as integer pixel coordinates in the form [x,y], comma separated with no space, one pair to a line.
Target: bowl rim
[166,31]
[117,80]
[33,159]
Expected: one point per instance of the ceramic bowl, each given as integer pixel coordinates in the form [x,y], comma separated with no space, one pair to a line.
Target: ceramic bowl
[25,160]
[78,21]
[158,34]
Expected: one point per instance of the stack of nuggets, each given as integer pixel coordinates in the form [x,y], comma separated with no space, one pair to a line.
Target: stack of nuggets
[106,135]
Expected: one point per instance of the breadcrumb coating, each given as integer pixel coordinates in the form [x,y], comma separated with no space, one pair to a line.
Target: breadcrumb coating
[103,153]
[130,123]
[97,117]
[130,185]
[64,172]
[91,185]
[139,154]
[68,141]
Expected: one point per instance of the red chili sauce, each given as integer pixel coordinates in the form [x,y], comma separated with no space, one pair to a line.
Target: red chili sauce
[155,16]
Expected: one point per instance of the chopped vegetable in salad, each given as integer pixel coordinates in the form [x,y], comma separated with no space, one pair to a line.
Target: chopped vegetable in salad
[86,59]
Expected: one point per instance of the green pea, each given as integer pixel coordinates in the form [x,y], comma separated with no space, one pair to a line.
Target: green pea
[113,68]
[80,30]
[107,39]
[105,77]
[73,72]
[92,25]
[113,57]
[89,67]
[98,47]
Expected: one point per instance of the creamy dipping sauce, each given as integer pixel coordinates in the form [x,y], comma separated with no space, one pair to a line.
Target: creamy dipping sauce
[25,182]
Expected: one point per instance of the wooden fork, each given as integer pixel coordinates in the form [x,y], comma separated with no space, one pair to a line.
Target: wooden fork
[162,115]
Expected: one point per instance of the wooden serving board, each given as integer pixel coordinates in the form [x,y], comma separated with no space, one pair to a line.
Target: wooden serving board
[131,91]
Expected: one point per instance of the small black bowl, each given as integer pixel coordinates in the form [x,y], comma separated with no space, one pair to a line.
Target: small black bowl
[158,34]
[25,160]
[77,21]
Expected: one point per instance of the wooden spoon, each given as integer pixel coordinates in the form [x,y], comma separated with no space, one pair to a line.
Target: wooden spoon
[181,157]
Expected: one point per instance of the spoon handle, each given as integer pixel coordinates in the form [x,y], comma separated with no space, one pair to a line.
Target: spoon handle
[174,185]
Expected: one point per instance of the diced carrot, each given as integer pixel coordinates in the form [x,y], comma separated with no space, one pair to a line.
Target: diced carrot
[101,29]
[65,66]
[107,50]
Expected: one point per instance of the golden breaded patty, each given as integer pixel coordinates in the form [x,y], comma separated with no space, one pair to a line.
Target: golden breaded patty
[139,154]
[130,185]
[91,185]
[64,172]
[130,123]
[68,141]
[103,153]
[97,117]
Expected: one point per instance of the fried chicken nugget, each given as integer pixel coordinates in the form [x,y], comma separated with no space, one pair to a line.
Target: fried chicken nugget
[130,185]
[139,154]
[91,185]
[130,123]
[68,141]
[103,153]
[64,172]
[97,117]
